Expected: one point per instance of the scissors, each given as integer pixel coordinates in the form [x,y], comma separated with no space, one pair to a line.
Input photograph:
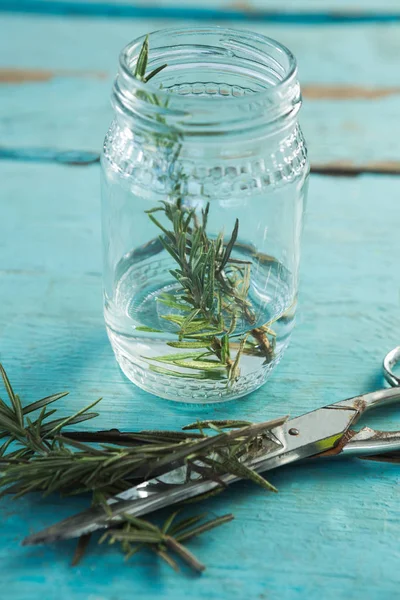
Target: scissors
[325,432]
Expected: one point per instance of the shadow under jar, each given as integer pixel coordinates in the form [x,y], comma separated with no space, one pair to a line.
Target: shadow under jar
[204,175]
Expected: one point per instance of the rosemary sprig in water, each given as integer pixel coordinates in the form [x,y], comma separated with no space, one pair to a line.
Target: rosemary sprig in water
[40,455]
[213,287]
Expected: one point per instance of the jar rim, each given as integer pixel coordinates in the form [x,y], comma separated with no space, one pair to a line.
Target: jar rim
[288,78]
[264,93]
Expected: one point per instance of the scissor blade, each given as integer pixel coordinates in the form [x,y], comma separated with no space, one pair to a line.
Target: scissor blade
[296,439]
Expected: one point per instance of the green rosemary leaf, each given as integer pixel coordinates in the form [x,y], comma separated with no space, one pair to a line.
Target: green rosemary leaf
[12,427]
[18,409]
[72,418]
[189,216]
[225,353]
[6,410]
[194,327]
[43,402]
[189,319]
[199,364]
[230,245]
[171,358]
[141,523]
[233,324]
[146,537]
[161,371]
[187,344]
[186,535]
[206,335]
[168,559]
[156,222]
[204,214]
[188,299]
[234,466]
[234,371]
[36,485]
[148,329]
[200,325]
[194,448]
[39,421]
[184,523]
[201,497]
[141,64]
[170,300]
[153,210]
[5,446]
[178,320]
[15,401]
[169,248]
[165,528]
[154,72]
[64,439]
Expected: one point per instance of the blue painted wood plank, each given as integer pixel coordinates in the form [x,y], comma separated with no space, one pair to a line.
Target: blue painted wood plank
[288,6]
[348,116]
[333,530]
[257,11]
[86,49]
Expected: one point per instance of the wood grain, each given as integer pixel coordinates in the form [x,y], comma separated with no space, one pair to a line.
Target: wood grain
[346,118]
[333,530]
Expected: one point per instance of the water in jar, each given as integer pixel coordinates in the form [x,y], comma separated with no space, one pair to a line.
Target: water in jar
[178,327]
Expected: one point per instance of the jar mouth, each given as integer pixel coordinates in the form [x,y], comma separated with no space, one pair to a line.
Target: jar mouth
[215,77]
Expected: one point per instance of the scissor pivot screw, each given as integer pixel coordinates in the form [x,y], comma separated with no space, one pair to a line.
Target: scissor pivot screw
[294,431]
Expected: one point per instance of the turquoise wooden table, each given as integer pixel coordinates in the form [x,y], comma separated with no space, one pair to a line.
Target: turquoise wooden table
[333,530]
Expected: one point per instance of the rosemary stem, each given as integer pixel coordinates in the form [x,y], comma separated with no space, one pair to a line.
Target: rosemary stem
[184,553]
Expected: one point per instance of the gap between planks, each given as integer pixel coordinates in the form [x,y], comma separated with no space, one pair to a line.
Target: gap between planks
[237,11]
[338,168]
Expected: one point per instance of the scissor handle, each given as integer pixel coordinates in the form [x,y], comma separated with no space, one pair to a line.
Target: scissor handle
[369,442]
[390,360]
[372,400]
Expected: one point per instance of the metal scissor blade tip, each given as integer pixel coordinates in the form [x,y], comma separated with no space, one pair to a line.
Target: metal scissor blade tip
[38,538]
[72,527]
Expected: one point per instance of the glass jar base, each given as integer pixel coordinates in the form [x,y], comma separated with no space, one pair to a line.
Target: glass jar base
[192,391]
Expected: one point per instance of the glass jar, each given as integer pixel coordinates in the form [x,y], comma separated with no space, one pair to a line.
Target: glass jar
[204,178]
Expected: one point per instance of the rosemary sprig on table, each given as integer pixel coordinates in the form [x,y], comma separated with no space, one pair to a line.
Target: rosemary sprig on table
[48,459]
[40,455]
[138,533]
[213,287]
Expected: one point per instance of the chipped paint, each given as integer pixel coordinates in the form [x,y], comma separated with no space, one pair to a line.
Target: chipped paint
[19,76]
[346,92]
[346,168]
